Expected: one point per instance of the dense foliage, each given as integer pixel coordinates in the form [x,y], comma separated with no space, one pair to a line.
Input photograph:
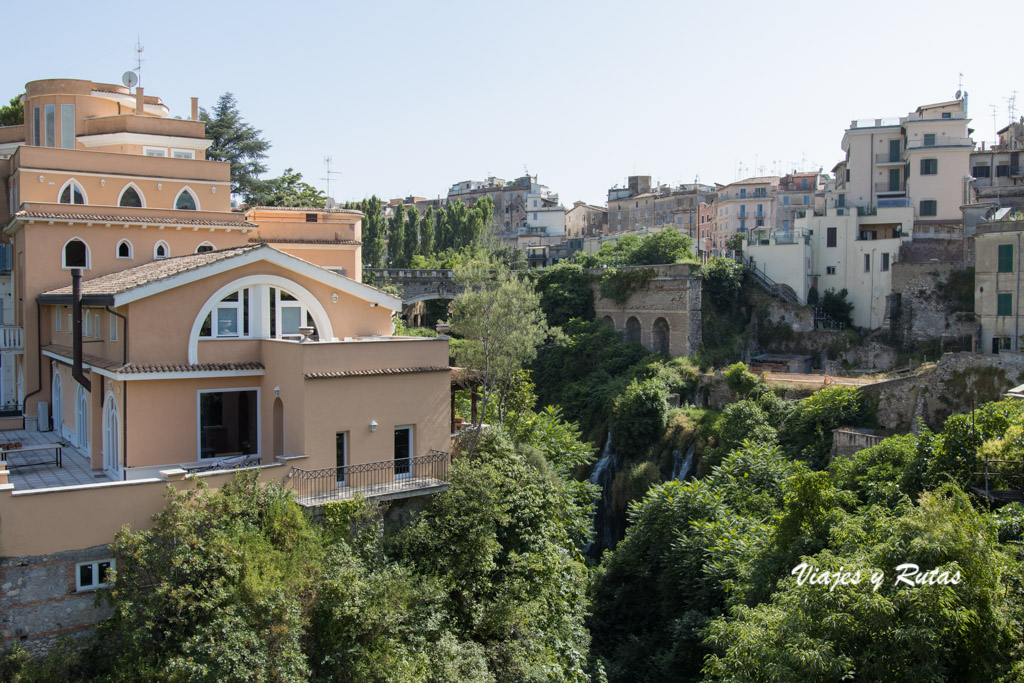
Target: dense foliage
[487,584]
[565,293]
[666,246]
[13,113]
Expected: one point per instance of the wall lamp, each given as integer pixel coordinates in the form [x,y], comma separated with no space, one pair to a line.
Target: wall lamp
[373,425]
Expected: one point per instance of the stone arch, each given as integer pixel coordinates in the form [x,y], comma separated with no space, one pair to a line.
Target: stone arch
[607,320]
[660,336]
[632,329]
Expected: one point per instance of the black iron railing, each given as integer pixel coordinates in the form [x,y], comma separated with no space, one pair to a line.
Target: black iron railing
[372,478]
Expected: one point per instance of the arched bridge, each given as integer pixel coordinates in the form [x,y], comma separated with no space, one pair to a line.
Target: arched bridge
[417,284]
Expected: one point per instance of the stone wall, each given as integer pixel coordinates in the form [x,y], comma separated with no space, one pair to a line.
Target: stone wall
[918,310]
[846,442]
[673,296]
[931,251]
[956,384]
[39,603]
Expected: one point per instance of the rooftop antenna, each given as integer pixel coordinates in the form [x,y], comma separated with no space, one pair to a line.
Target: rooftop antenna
[995,126]
[1011,105]
[138,57]
[327,163]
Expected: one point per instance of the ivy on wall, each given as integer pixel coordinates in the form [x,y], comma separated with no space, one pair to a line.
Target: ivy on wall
[617,285]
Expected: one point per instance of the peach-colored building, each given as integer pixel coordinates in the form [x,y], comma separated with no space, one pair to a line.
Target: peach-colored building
[207,338]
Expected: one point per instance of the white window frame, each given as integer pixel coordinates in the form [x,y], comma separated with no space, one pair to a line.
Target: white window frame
[63,254]
[279,307]
[69,181]
[156,248]
[95,572]
[86,324]
[154,151]
[183,153]
[131,250]
[138,191]
[206,243]
[199,422]
[239,310]
[195,198]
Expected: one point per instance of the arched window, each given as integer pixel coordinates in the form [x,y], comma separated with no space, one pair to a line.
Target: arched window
[661,336]
[72,193]
[111,436]
[161,250]
[75,254]
[130,197]
[204,247]
[124,249]
[186,201]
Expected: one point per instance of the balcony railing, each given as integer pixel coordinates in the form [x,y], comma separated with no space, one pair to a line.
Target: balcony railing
[390,478]
[887,158]
[10,338]
[889,187]
[893,203]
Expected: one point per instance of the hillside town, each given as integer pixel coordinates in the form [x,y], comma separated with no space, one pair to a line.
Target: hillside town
[167,339]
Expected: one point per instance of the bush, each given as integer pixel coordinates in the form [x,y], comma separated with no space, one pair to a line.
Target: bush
[740,379]
[565,293]
[639,417]
[723,279]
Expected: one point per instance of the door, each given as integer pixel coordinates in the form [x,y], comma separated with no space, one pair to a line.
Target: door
[82,419]
[111,438]
[58,400]
[341,458]
[894,150]
[894,180]
[403,452]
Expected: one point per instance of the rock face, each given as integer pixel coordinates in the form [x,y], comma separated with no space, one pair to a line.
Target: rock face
[958,383]
[663,315]
[919,312]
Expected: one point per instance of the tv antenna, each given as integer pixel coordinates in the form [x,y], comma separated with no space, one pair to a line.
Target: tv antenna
[327,163]
[1011,105]
[995,126]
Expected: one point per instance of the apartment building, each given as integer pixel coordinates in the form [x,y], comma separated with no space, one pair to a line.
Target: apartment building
[798,195]
[921,160]
[997,283]
[158,334]
[513,201]
[639,206]
[997,171]
[744,205]
[585,220]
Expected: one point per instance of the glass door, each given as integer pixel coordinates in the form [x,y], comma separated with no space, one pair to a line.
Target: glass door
[403,452]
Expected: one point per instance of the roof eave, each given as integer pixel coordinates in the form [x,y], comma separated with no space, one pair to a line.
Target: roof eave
[68,299]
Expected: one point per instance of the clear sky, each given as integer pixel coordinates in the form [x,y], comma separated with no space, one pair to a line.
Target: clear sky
[410,97]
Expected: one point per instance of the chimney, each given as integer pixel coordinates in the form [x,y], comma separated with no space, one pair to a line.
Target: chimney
[139,101]
[195,108]
[76,326]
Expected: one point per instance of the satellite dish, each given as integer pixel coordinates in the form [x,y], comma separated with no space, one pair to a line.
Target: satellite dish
[130,78]
[957,96]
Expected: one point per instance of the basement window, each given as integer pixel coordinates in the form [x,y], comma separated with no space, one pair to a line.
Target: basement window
[311,218]
[92,575]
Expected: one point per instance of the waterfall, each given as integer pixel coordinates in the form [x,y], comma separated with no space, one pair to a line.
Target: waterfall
[603,475]
[682,467]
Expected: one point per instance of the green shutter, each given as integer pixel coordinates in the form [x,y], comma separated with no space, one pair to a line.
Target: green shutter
[1005,258]
[1004,304]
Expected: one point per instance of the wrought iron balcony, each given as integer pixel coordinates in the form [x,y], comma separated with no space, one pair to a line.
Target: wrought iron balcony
[399,478]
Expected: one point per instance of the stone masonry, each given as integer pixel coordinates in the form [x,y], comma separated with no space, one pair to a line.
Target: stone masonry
[39,603]
[671,299]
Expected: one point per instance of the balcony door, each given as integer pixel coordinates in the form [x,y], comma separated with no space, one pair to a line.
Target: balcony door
[894,180]
[341,458]
[403,452]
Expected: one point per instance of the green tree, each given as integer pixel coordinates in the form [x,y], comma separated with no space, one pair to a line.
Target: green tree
[498,314]
[427,232]
[835,305]
[373,237]
[396,238]
[287,190]
[237,142]
[639,417]
[13,114]
[411,237]
[723,279]
[442,237]
[565,293]
[666,246]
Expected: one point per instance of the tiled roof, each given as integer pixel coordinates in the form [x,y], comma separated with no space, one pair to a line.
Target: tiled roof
[134,220]
[125,280]
[290,240]
[762,180]
[378,371]
[133,369]
[305,209]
